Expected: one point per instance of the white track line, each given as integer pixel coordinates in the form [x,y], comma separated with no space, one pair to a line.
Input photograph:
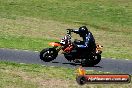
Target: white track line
[89,70]
[22,63]
[36,51]
[100,71]
[52,66]
[113,58]
[126,59]
[43,65]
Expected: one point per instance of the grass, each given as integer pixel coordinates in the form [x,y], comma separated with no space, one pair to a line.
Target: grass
[22,42]
[89,11]
[32,24]
[13,75]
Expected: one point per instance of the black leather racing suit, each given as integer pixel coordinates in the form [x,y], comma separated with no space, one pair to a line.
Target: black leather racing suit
[88,40]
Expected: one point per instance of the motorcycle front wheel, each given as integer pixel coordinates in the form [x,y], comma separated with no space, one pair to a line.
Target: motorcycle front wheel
[48,54]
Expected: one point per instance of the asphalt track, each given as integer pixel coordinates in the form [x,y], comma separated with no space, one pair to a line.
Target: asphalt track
[31,57]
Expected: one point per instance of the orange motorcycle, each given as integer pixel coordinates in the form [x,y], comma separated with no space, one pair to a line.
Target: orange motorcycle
[71,52]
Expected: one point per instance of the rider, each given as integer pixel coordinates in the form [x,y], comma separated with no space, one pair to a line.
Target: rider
[88,39]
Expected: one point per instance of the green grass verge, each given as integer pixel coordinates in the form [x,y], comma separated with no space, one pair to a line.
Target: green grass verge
[22,42]
[13,75]
[92,12]
[40,20]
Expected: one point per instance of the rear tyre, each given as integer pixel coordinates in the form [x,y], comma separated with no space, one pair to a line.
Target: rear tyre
[92,61]
[97,59]
[48,54]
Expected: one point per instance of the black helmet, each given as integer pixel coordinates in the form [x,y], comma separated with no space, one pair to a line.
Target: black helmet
[83,30]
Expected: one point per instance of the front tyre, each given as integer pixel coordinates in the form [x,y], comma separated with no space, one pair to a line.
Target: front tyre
[48,54]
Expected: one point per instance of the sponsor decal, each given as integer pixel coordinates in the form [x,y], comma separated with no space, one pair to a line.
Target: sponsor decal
[83,78]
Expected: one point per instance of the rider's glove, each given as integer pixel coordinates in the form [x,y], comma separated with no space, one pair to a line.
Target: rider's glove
[75,31]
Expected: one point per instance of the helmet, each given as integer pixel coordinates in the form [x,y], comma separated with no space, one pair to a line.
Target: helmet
[83,30]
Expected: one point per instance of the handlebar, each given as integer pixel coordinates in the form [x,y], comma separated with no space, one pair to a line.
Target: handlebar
[69,31]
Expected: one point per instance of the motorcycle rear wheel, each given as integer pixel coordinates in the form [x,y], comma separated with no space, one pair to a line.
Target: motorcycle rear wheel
[48,54]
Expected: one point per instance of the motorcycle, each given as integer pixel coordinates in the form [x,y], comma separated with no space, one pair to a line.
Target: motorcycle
[71,52]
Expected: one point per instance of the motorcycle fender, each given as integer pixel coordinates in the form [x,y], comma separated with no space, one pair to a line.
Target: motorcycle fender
[54,44]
